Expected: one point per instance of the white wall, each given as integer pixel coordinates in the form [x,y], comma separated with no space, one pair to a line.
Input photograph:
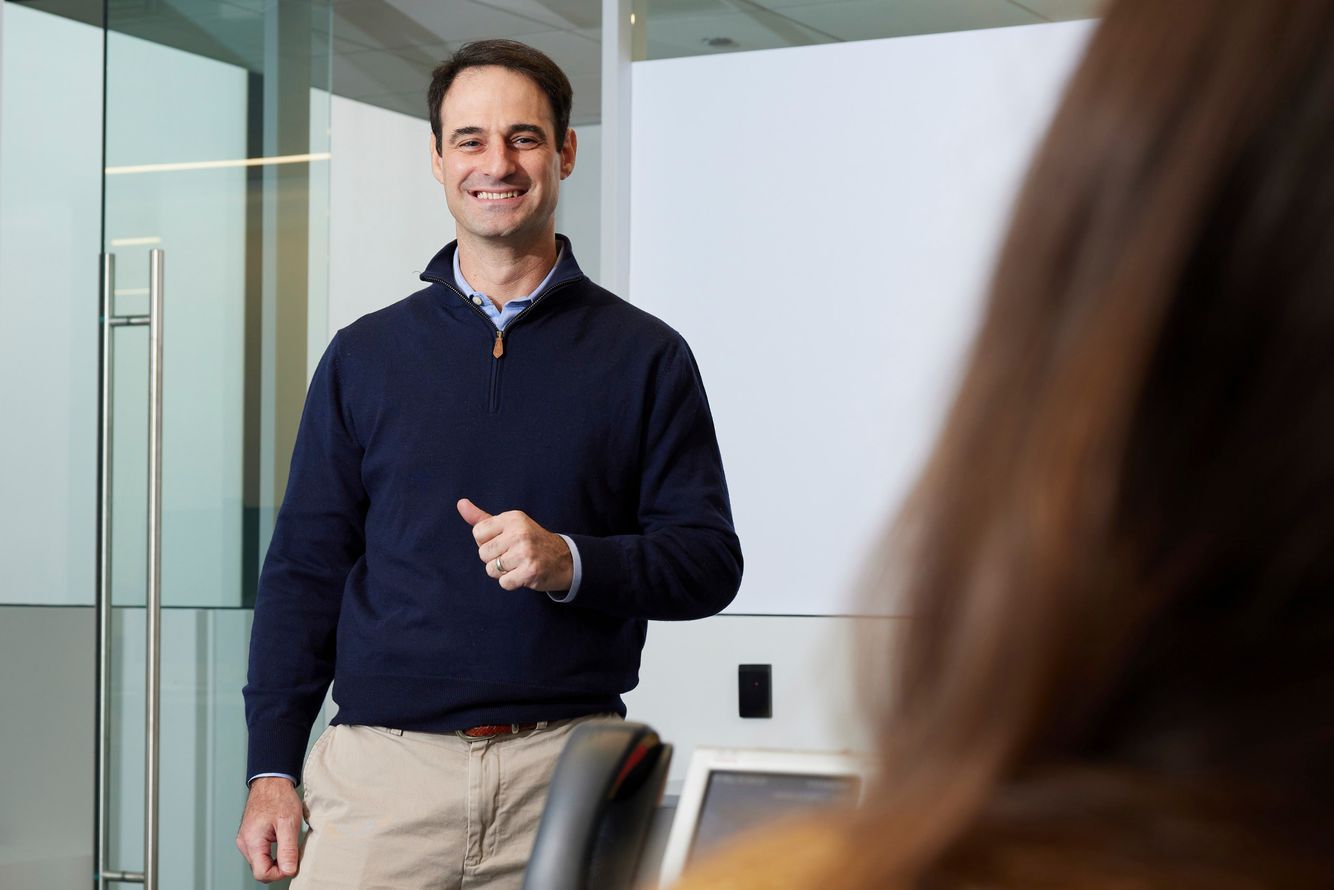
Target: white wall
[688,682]
[819,223]
[579,213]
[387,215]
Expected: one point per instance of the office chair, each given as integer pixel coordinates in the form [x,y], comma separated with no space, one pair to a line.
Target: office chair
[607,783]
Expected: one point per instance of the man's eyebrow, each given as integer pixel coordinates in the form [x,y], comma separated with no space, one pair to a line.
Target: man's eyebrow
[536,129]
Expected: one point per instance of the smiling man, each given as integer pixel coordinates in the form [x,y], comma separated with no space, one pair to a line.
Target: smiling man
[496,483]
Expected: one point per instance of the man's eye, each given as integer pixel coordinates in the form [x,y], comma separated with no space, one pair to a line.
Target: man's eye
[525,141]
[471,143]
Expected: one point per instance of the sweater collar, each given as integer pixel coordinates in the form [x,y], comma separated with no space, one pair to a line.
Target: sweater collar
[441,267]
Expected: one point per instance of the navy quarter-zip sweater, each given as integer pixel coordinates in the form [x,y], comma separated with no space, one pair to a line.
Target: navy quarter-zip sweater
[587,414]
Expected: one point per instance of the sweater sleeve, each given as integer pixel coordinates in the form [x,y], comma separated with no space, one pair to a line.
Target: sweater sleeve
[317,540]
[685,562]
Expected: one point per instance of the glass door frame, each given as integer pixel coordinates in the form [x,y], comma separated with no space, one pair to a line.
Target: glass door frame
[264,180]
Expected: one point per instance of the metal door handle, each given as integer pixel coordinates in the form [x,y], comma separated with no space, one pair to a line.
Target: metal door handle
[153,604]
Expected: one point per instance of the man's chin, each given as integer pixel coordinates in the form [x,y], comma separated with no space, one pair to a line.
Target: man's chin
[518,231]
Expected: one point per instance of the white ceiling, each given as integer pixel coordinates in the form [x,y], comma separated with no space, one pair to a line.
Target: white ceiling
[384,49]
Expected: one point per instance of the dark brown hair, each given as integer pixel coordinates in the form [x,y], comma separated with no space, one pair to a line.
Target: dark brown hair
[504,54]
[1120,561]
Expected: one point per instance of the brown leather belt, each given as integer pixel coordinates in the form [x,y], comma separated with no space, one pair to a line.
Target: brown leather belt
[495,729]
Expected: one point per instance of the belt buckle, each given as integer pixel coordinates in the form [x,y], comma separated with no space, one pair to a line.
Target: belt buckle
[491,730]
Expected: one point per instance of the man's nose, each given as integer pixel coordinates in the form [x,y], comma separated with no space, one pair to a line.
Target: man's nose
[498,161]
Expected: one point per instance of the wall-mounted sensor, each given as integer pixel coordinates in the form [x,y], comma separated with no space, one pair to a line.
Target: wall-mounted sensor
[755,690]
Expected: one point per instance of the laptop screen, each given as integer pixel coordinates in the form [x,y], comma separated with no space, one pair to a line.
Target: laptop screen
[728,791]
[737,801]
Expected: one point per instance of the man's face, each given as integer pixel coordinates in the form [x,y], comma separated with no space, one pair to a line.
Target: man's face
[498,160]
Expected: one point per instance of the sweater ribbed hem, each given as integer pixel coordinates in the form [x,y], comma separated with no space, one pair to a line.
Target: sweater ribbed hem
[437,704]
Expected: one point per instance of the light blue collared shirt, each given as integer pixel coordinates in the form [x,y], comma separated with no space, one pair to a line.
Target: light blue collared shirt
[500,317]
[504,315]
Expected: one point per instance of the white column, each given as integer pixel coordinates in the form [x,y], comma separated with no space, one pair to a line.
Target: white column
[2,84]
[617,53]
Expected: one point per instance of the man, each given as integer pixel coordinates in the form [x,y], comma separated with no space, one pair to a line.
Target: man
[495,483]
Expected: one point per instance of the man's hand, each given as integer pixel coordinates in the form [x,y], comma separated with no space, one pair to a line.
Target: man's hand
[272,815]
[530,556]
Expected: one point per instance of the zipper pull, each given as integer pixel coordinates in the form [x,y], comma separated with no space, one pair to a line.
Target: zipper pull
[499,349]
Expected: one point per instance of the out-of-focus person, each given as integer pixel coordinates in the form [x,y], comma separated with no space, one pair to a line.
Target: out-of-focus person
[1119,672]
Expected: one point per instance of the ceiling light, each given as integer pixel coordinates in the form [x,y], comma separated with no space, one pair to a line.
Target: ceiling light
[214,165]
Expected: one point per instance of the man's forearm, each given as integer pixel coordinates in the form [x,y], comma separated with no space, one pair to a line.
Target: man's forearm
[671,575]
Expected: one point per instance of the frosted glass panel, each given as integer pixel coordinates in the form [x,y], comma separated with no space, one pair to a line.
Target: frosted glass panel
[46,736]
[203,745]
[50,228]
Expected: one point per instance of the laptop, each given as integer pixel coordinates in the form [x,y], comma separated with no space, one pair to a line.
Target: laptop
[728,791]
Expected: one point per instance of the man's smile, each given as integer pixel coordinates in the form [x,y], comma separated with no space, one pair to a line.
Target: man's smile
[498,195]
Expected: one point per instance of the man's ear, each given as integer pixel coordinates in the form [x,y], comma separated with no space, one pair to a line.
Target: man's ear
[567,153]
[437,162]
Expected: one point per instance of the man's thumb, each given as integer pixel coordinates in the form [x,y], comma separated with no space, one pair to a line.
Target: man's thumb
[471,513]
[289,839]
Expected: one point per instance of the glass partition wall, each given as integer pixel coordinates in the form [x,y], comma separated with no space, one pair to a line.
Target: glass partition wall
[163,244]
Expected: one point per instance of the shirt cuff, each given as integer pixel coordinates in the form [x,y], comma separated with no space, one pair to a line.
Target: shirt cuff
[274,775]
[567,596]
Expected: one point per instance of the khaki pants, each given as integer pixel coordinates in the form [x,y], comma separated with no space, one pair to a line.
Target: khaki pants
[405,810]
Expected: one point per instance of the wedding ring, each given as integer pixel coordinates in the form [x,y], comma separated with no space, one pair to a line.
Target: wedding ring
[500,566]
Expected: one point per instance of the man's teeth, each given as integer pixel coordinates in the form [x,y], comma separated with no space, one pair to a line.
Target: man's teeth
[497,196]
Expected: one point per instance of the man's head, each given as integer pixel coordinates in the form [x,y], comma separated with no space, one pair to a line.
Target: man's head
[500,140]
[515,56]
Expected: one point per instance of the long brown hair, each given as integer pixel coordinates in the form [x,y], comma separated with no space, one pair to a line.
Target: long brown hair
[1120,561]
